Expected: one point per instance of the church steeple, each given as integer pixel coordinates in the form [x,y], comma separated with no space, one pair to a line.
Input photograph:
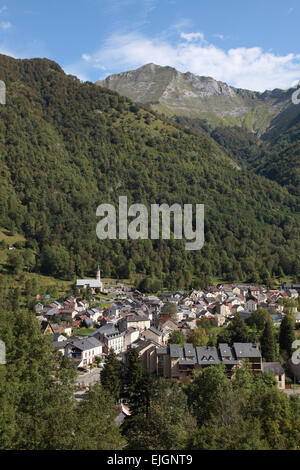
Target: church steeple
[98,274]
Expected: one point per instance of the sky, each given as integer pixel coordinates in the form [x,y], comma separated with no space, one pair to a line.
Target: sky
[247,44]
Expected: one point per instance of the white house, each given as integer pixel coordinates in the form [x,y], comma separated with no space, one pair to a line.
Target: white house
[114,340]
[83,351]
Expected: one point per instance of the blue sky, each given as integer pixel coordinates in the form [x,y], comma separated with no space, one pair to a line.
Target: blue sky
[249,44]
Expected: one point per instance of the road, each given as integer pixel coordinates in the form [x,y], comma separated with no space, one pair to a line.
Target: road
[291,392]
[89,378]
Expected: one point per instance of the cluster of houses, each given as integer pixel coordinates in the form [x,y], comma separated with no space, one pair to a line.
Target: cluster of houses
[133,320]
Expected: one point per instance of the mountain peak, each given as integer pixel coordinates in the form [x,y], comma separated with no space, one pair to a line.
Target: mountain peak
[185,94]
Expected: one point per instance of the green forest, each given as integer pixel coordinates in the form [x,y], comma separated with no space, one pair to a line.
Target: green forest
[67,146]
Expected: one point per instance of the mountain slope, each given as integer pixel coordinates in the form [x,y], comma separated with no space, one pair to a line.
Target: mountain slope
[67,147]
[185,94]
[257,130]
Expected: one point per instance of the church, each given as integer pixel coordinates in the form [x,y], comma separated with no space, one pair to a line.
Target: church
[91,283]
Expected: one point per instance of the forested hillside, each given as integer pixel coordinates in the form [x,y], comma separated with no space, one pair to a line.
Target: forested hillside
[67,147]
[257,130]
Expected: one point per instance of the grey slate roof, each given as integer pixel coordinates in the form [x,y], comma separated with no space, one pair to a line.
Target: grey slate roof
[175,351]
[243,350]
[59,344]
[52,311]
[160,351]
[274,367]
[208,355]
[189,350]
[86,343]
[156,331]
[226,351]
[205,355]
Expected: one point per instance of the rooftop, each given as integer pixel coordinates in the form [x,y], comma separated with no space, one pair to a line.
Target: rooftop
[245,350]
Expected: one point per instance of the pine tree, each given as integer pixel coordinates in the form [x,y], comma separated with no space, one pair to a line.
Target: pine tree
[236,332]
[139,384]
[268,342]
[287,334]
[95,427]
[168,425]
[111,375]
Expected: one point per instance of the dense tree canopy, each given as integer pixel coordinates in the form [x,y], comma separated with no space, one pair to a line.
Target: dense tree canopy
[69,146]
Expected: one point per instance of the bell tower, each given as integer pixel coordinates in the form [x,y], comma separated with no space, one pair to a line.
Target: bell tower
[98,274]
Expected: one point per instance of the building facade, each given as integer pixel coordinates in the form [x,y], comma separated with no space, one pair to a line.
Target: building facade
[179,363]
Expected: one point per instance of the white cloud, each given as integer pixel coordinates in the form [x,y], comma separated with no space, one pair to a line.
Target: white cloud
[192,36]
[86,57]
[290,10]
[2,9]
[5,25]
[219,36]
[250,68]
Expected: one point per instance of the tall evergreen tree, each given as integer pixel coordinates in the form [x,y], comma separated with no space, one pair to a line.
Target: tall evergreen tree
[268,342]
[95,427]
[287,334]
[168,425]
[236,332]
[111,375]
[138,384]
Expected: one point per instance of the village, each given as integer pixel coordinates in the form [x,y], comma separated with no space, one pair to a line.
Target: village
[120,318]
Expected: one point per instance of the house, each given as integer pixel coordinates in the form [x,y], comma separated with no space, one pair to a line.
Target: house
[38,308]
[250,305]
[81,305]
[57,337]
[131,335]
[147,353]
[67,313]
[59,346]
[236,290]
[276,369]
[277,319]
[62,327]
[293,293]
[46,328]
[115,310]
[223,309]
[93,313]
[154,334]
[255,290]
[83,351]
[179,363]
[221,319]
[52,313]
[286,286]
[251,353]
[237,309]
[114,340]
[134,321]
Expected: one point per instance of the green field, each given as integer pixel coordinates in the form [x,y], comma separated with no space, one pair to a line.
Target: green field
[83,331]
